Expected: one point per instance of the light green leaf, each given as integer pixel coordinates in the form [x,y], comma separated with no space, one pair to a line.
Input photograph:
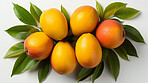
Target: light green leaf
[21,31]
[22,64]
[114,64]
[43,70]
[104,53]
[85,73]
[130,49]
[122,52]
[126,13]
[15,50]
[63,10]
[23,15]
[133,33]
[35,11]
[112,8]
[98,71]
[99,9]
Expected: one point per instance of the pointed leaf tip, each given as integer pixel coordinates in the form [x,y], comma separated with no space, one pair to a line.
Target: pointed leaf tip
[126,13]
[114,64]
[133,33]
[13,3]
[122,52]
[23,15]
[129,47]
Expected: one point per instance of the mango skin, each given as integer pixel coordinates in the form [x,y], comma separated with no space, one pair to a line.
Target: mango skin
[88,51]
[110,34]
[54,24]
[38,45]
[63,58]
[83,20]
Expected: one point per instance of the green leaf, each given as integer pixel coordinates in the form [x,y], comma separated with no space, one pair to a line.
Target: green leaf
[98,71]
[21,31]
[114,64]
[121,22]
[104,53]
[126,13]
[133,33]
[63,10]
[130,49]
[99,9]
[35,11]
[15,50]
[122,52]
[23,15]
[112,8]
[22,64]
[85,73]
[43,70]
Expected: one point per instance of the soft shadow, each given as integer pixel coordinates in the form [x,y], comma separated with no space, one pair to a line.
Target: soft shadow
[74,74]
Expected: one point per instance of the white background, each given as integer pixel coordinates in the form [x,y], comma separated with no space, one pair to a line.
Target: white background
[134,71]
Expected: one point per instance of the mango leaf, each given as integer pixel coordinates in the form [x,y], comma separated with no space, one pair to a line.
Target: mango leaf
[15,50]
[130,49]
[43,69]
[85,73]
[22,64]
[21,31]
[35,11]
[63,10]
[122,52]
[114,64]
[126,13]
[133,33]
[112,8]
[23,15]
[104,53]
[99,9]
[98,71]
[121,22]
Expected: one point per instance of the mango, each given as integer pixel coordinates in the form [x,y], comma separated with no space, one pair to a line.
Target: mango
[88,51]
[54,24]
[38,45]
[63,58]
[110,34]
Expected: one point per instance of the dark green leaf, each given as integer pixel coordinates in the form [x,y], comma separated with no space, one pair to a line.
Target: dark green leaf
[133,33]
[63,10]
[85,73]
[130,49]
[112,8]
[22,64]
[114,64]
[126,13]
[21,31]
[98,71]
[99,9]
[43,69]
[15,50]
[122,52]
[117,20]
[35,11]
[104,53]
[23,15]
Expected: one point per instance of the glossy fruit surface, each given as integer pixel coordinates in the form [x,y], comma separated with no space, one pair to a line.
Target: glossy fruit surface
[63,58]
[110,34]
[84,19]
[38,45]
[54,24]
[88,51]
